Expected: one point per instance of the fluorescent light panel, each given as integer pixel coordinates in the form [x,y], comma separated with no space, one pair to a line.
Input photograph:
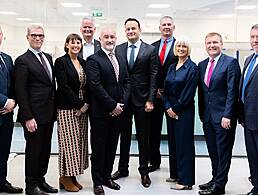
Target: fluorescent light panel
[80,14]
[246,7]
[24,19]
[158,6]
[8,13]
[153,14]
[71,4]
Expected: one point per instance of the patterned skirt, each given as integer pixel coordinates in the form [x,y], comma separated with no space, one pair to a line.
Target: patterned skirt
[73,142]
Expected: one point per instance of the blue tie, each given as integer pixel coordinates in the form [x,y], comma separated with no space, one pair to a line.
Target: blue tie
[2,65]
[248,74]
[131,58]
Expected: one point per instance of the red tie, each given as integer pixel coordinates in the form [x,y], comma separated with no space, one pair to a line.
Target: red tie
[163,52]
[210,72]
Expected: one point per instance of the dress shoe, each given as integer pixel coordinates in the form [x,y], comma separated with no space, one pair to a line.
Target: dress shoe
[98,190]
[153,168]
[119,174]
[214,190]
[65,182]
[47,188]
[111,184]
[181,187]
[8,188]
[171,180]
[206,186]
[76,183]
[146,182]
[35,191]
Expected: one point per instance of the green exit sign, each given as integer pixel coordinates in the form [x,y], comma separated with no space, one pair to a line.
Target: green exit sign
[97,13]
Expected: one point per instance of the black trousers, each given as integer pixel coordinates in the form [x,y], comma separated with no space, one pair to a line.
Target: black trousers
[155,132]
[142,124]
[104,139]
[220,142]
[6,132]
[251,142]
[37,153]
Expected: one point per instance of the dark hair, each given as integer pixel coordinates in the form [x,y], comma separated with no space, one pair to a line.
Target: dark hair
[254,27]
[72,37]
[133,19]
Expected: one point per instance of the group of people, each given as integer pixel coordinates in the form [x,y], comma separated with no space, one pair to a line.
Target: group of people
[112,84]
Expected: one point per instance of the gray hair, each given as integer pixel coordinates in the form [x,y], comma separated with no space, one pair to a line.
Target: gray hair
[254,27]
[183,40]
[88,18]
[33,26]
[166,17]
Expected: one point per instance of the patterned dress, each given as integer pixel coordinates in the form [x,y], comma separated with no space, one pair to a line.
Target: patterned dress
[73,137]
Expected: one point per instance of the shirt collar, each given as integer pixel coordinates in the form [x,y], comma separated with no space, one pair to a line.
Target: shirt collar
[91,43]
[216,58]
[34,50]
[137,43]
[168,40]
[108,52]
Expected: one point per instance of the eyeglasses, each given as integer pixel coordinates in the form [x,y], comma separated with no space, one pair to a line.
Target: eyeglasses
[34,36]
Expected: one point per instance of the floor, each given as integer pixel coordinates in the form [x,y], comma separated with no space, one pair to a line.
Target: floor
[238,183]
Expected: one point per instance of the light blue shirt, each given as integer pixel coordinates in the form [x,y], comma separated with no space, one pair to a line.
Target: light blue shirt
[169,45]
[136,49]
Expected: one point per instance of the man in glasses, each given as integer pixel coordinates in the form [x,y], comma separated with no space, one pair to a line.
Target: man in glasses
[35,93]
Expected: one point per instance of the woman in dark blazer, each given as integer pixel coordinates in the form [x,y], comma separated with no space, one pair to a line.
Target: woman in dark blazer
[72,118]
[179,91]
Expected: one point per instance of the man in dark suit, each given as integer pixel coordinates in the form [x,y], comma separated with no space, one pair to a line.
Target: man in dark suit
[35,93]
[90,45]
[249,108]
[7,104]
[143,68]
[218,96]
[109,84]
[164,49]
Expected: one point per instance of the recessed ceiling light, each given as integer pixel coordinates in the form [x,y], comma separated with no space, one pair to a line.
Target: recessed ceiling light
[8,13]
[153,14]
[71,4]
[24,19]
[159,6]
[246,7]
[81,14]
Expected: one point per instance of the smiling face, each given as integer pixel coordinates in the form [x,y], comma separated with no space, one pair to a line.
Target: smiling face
[74,46]
[254,39]
[87,29]
[213,45]
[132,31]
[108,39]
[181,50]
[35,38]
[166,28]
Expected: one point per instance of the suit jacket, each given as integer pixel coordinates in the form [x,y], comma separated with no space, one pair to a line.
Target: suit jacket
[249,109]
[97,47]
[170,59]
[6,83]
[34,91]
[143,76]
[67,95]
[220,99]
[105,91]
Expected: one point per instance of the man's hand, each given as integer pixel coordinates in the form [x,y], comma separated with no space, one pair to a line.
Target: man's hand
[225,123]
[9,107]
[171,113]
[149,106]
[118,110]
[31,125]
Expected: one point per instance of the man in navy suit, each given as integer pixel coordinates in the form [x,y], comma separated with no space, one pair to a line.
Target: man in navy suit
[7,104]
[35,94]
[249,108]
[164,49]
[218,96]
[109,84]
[90,45]
[142,64]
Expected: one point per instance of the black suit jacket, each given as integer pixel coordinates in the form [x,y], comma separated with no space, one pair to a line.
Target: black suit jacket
[68,84]
[34,91]
[220,99]
[6,83]
[105,91]
[143,76]
[249,109]
[97,47]
[170,59]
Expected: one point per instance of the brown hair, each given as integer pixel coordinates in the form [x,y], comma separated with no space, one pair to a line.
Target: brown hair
[212,34]
[72,37]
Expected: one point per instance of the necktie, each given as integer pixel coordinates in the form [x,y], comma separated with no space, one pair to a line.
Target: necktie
[114,64]
[131,59]
[212,61]
[44,64]
[248,75]
[2,65]
[163,52]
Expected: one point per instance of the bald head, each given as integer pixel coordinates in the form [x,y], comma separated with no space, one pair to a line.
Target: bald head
[108,38]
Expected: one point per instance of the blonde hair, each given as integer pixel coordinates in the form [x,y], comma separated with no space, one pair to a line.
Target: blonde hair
[183,40]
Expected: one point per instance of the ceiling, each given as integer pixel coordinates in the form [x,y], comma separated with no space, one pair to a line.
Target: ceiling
[52,13]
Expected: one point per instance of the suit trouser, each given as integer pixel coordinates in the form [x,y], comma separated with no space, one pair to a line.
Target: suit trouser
[251,142]
[220,142]
[155,132]
[6,132]
[142,124]
[37,153]
[104,139]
